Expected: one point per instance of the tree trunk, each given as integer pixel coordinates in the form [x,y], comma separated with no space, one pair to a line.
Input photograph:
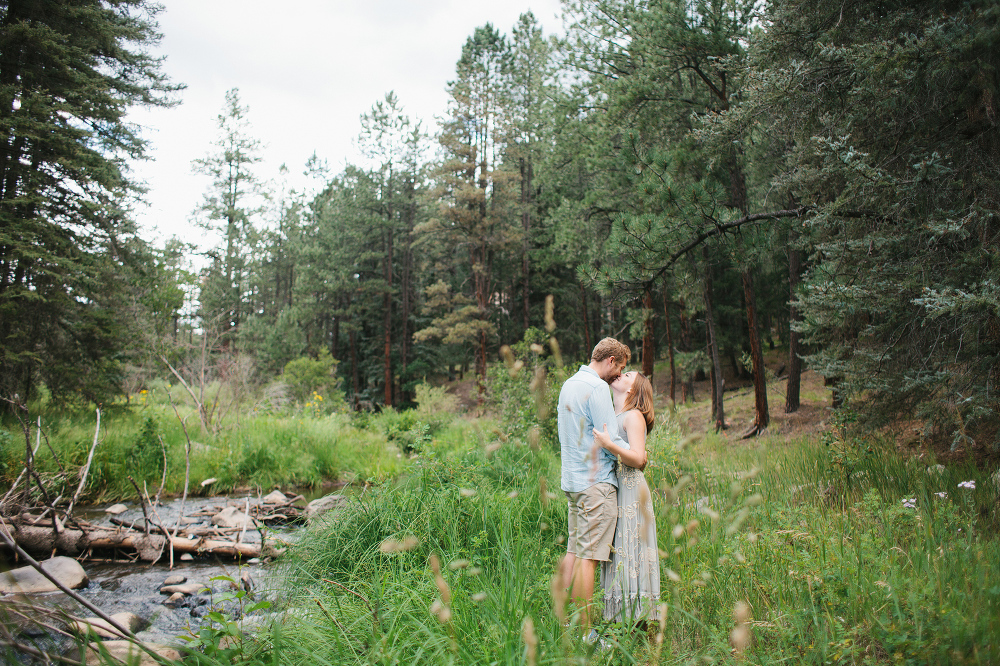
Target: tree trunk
[670,350]
[761,415]
[718,383]
[648,355]
[387,324]
[586,320]
[355,381]
[407,263]
[794,362]
[335,342]
[526,177]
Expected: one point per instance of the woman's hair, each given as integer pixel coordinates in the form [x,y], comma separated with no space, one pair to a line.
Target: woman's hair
[641,398]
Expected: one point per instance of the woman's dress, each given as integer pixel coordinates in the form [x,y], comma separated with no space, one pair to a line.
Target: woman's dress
[631,580]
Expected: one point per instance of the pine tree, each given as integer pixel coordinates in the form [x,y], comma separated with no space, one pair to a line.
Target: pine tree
[69,72]
[236,196]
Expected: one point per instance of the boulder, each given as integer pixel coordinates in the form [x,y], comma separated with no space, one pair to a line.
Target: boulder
[320,506]
[127,653]
[232,517]
[175,579]
[275,497]
[186,557]
[103,628]
[174,600]
[25,580]
[186,589]
[115,509]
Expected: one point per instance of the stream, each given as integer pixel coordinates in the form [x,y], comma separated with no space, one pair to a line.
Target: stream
[134,587]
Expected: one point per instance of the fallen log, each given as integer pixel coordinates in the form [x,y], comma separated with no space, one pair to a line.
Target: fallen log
[149,547]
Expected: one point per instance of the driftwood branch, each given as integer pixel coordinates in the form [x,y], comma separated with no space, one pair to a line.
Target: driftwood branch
[33,563]
[86,469]
[29,454]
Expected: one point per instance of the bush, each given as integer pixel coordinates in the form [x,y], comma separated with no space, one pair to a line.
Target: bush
[306,374]
[525,393]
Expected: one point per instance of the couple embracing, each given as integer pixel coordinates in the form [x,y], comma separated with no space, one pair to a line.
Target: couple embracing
[610,511]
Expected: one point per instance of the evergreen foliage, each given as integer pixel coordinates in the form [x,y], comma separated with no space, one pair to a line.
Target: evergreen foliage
[69,72]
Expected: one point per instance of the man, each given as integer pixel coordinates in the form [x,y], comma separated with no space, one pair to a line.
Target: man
[588,475]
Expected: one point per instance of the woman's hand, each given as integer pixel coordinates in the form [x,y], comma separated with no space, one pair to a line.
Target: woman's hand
[603,439]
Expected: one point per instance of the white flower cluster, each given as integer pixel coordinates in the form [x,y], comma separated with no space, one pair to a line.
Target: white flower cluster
[971,485]
[910,503]
[942,495]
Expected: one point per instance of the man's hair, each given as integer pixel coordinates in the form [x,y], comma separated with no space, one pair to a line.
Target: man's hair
[611,347]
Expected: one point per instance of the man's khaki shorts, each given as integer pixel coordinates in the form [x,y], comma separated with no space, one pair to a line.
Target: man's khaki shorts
[593,514]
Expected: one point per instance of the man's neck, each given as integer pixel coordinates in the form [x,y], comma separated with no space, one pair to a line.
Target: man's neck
[597,366]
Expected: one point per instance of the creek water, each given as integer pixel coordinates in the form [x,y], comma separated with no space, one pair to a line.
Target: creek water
[121,585]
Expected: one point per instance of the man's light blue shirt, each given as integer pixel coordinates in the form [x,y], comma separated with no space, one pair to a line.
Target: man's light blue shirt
[585,404]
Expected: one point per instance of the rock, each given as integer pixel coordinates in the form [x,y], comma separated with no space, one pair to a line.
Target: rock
[233,517]
[208,482]
[320,506]
[186,589]
[127,652]
[103,628]
[174,600]
[25,580]
[115,509]
[175,579]
[253,560]
[275,497]
[190,520]
[186,557]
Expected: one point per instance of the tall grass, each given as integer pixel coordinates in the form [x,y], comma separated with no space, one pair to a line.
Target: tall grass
[833,568]
[297,447]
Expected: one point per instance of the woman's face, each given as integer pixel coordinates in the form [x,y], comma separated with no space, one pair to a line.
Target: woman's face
[624,382]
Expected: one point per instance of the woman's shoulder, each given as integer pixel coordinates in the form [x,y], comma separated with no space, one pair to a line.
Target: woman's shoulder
[633,416]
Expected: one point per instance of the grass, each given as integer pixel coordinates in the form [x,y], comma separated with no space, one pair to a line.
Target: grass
[834,567]
[301,446]
[843,550]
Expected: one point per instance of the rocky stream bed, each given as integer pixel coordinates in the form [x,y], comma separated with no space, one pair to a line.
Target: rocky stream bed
[159,603]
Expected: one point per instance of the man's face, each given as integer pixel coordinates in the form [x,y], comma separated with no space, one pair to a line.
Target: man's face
[612,369]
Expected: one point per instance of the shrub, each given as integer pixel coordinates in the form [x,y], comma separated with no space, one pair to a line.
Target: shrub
[306,374]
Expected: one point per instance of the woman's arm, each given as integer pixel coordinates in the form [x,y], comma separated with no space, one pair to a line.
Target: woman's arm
[635,428]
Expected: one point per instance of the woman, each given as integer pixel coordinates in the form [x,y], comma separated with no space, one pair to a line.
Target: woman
[631,580]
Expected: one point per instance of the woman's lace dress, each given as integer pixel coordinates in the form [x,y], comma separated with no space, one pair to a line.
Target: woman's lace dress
[631,580]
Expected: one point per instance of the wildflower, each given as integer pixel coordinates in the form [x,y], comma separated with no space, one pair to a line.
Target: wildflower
[512,494]
[910,503]
[942,495]
[673,575]
[971,484]
[479,596]
[467,492]
[458,564]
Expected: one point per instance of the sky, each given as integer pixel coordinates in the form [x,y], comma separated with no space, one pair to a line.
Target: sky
[307,70]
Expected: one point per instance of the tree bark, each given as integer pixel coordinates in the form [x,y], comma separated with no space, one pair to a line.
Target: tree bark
[387,324]
[355,380]
[670,349]
[761,415]
[718,383]
[648,355]
[586,320]
[794,362]
[41,539]
[527,173]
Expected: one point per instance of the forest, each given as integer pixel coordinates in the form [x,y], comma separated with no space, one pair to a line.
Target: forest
[711,182]
[700,179]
